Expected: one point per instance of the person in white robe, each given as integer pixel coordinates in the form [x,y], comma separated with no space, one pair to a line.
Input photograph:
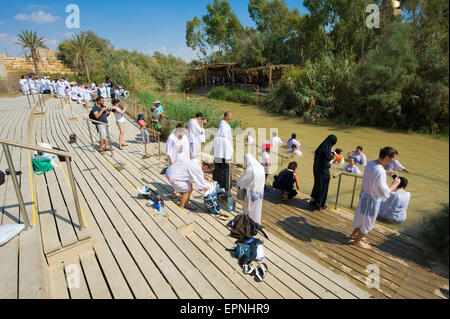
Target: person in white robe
[292,141]
[374,190]
[222,150]
[177,146]
[182,174]
[251,144]
[24,85]
[31,85]
[74,93]
[66,85]
[394,208]
[102,91]
[253,181]
[195,132]
[295,151]
[276,140]
[49,85]
[86,95]
[60,88]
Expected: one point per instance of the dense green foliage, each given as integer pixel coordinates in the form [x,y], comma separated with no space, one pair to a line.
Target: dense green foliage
[183,110]
[237,95]
[436,228]
[393,76]
[135,71]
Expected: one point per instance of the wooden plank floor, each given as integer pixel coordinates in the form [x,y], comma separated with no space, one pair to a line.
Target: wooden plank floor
[131,251]
[20,262]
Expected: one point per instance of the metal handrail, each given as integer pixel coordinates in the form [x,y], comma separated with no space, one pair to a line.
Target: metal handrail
[68,156]
[90,133]
[344,173]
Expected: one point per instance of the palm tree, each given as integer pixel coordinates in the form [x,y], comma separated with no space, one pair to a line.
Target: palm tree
[81,45]
[29,40]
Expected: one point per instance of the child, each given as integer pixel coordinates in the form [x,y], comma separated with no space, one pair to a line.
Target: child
[352,168]
[339,157]
[142,127]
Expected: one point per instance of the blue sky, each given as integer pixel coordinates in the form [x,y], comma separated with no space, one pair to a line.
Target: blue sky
[146,26]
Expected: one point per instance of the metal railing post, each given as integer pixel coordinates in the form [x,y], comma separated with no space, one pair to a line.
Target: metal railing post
[41,100]
[337,194]
[29,103]
[16,186]
[159,146]
[75,194]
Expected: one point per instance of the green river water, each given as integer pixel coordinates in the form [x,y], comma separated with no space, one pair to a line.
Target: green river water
[426,157]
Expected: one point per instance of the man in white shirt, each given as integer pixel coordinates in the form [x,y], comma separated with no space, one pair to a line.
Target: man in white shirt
[182,174]
[31,85]
[374,190]
[195,131]
[397,166]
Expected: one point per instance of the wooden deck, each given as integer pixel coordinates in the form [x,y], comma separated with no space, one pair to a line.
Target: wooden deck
[131,251]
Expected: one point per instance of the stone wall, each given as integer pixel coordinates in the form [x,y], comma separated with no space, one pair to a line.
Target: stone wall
[24,65]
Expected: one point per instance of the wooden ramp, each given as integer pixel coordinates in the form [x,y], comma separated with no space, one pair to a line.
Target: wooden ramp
[130,251]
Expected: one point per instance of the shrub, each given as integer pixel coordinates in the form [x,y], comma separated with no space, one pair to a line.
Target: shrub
[435,230]
[236,95]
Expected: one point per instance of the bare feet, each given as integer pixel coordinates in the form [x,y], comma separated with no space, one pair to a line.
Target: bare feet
[362,244]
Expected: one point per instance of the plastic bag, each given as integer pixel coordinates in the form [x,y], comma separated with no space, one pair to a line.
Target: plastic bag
[8,232]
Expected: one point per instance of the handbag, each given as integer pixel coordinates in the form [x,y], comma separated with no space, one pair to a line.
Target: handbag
[41,165]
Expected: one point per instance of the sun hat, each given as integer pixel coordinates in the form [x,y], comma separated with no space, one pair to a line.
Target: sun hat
[157,102]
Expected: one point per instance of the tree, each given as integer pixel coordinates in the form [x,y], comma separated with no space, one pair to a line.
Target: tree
[82,47]
[29,40]
[218,28]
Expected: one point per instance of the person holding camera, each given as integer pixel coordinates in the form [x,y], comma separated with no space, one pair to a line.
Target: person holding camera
[101,114]
[195,132]
[374,190]
[120,121]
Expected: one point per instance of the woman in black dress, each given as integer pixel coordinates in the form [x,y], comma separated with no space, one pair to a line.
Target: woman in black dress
[323,159]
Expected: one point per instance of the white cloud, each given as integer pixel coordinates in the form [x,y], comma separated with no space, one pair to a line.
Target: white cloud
[52,42]
[38,17]
[69,34]
[186,53]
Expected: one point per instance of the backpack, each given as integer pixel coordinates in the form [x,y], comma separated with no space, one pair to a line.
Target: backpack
[2,178]
[243,227]
[247,251]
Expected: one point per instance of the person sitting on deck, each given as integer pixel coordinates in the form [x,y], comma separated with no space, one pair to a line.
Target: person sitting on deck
[295,151]
[352,168]
[394,208]
[359,156]
[285,182]
[181,175]
[101,115]
[292,141]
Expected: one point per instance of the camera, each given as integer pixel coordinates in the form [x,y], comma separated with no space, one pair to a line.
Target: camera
[394,177]
[111,109]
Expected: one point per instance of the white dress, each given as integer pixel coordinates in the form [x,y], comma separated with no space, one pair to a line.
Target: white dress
[253,180]
[394,208]
[223,142]
[374,190]
[275,141]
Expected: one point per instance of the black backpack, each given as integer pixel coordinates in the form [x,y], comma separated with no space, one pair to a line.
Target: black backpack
[243,227]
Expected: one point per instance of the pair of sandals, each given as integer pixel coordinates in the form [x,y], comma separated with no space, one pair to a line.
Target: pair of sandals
[259,273]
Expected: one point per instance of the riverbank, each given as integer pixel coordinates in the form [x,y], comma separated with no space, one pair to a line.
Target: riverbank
[424,155]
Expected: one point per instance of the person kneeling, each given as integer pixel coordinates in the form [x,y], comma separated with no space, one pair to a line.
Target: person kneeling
[394,208]
[285,182]
[181,175]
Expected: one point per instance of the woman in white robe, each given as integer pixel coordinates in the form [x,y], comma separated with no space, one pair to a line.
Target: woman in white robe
[223,142]
[31,85]
[253,181]
[177,146]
